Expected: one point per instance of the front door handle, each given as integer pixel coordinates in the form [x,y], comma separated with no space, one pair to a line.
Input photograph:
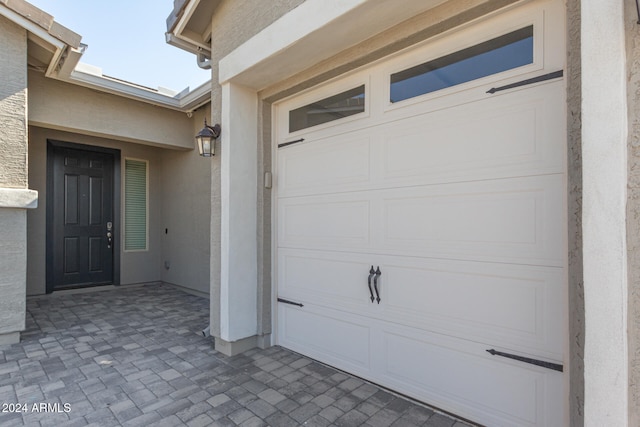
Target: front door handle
[375,283]
[371,274]
[109,234]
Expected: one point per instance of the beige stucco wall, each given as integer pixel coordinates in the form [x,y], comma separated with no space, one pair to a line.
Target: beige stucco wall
[186,206]
[13,104]
[13,174]
[64,106]
[633,208]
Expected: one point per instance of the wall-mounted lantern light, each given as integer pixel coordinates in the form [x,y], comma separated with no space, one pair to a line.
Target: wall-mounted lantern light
[206,139]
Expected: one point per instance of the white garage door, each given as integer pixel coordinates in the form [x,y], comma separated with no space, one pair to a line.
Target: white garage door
[421,221]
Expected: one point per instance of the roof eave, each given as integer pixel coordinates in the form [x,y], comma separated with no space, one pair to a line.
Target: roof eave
[66,50]
[182,31]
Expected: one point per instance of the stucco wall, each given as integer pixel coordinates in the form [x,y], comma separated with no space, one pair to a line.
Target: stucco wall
[186,207]
[59,105]
[574,216]
[136,267]
[633,208]
[13,174]
[234,22]
[12,271]
[13,99]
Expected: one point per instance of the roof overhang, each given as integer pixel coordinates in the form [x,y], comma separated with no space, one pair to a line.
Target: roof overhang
[49,45]
[56,51]
[187,100]
[312,32]
[189,25]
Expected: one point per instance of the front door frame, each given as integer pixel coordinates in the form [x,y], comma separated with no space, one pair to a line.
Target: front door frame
[51,145]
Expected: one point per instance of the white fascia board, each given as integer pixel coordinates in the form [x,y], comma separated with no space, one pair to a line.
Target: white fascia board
[186,16]
[115,87]
[310,33]
[178,39]
[286,31]
[186,44]
[31,27]
[196,98]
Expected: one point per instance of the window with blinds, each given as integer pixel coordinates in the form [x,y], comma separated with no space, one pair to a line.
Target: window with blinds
[135,205]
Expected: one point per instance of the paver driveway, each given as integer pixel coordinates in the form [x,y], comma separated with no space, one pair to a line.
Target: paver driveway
[135,357]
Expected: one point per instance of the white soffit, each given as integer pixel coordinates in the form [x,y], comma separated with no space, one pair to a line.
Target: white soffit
[310,33]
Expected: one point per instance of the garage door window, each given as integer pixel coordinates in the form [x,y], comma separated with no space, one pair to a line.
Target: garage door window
[503,53]
[326,110]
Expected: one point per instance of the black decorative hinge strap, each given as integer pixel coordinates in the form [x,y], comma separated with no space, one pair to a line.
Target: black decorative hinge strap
[538,79]
[548,365]
[284,144]
[286,301]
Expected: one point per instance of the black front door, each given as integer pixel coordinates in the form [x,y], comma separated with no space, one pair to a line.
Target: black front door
[81,220]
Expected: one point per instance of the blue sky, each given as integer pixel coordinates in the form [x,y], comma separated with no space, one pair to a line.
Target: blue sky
[126,39]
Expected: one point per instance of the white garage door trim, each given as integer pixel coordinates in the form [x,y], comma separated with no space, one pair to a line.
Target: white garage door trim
[547,19]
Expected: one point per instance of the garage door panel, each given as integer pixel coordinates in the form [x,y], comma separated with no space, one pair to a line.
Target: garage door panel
[333,280]
[516,220]
[517,307]
[329,222]
[499,137]
[330,335]
[459,375]
[325,165]
[459,197]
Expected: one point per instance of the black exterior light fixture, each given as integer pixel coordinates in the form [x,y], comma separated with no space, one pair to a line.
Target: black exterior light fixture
[206,139]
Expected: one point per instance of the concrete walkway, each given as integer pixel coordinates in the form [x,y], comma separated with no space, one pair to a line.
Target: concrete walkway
[134,357]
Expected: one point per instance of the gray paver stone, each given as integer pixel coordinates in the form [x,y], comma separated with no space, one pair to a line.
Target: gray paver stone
[193,411]
[281,420]
[143,420]
[305,412]
[240,415]
[261,408]
[317,421]
[253,422]
[439,420]
[331,413]
[134,356]
[351,418]
[202,420]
